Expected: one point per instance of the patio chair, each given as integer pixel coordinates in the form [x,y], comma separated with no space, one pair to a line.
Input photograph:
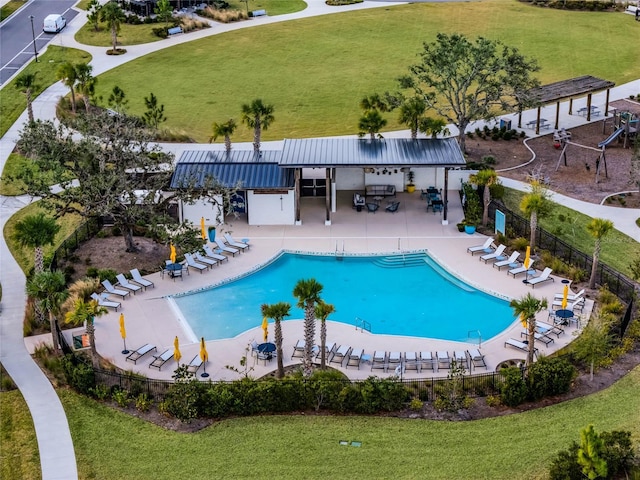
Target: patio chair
[298,349]
[543,277]
[114,291]
[576,304]
[521,269]
[460,357]
[235,244]
[353,359]
[253,346]
[103,301]
[547,329]
[193,264]
[411,361]
[484,248]
[358,201]
[494,256]
[210,253]
[509,262]
[124,283]
[160,360]
[512,342]
[137,277]
[392,207]
[379,360]
[202,259]
[571,297]
[540,337]
[426,361]
[340,354]
[372,207]
[393,360]
[226,248]
[476,358]
[140,352]
[444,361]
[328,348]
[195,364]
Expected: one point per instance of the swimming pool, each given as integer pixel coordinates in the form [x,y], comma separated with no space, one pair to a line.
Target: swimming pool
[417,300]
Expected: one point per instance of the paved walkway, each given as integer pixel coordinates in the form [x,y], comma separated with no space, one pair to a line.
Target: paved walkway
[54,439]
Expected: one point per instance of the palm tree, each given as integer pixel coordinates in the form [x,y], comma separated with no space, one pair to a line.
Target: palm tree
[308,294]
[485,178]
[277,311]
[259,116]
[69,75]
[323,310]
[371,122]
[87,312]
[36,231]
[527,308]
[48,289]
[26,83]
[86,83]
[112,14]
[535,204]
[411,112]
[598,228]
[432,127]
[225,130]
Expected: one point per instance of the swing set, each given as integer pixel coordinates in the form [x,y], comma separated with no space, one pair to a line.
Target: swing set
[564,138]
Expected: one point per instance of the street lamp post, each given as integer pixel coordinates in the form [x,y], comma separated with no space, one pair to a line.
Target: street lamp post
[33,35]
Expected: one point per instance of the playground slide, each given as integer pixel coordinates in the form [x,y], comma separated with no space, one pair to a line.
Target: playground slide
[611,138]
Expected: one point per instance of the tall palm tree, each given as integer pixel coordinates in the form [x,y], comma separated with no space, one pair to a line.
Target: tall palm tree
[411,112]
[527,308]
[323,310]
[485,178]
[308,294]
[112,14]
[36,231]
[87,312]
[68,74]
[26,83]
[535,204]
[86,83]
[259,116]
[48,289]
[432,127]
[598,228]
[371,122]
[277,311]
[225,130]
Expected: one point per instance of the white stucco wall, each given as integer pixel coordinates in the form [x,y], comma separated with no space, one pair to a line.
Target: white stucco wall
[211,212]
[271,208]
[349,179]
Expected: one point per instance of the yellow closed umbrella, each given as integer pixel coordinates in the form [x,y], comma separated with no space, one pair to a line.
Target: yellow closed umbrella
[565,296]
[176,350]
[527,258]
[265,327]
[123,334]
[523,320]
[204,233]
[204,356]
[172,255]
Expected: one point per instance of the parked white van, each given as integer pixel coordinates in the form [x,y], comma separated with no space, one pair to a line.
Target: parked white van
[53,23]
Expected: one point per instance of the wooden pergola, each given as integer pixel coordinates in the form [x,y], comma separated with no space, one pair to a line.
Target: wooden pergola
[567,89]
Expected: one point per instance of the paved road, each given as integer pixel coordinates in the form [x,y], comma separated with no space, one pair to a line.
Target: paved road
[16,37]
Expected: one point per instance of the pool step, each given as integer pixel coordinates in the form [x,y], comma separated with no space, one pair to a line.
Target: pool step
[447,276]
[401,260]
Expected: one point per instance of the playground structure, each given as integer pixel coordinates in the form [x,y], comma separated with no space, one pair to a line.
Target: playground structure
[564,139]
[625,127]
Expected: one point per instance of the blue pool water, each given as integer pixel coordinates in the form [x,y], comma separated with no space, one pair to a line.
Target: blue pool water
[413,301]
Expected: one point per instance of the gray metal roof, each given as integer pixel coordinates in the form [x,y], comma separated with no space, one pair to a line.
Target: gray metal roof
[195,166]
[235,156]
[347,152]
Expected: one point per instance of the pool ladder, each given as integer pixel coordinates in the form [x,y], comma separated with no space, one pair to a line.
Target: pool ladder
[339,254]
[363,325]
[478,336]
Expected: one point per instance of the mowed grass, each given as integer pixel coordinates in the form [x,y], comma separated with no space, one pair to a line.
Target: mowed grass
[129,34]
[8,8]
[273,7]
[316,70]
[19,457]
[618,249]
[13,103]
[112,445]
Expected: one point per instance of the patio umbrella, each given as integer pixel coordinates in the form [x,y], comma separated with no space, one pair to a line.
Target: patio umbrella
[176,350]
[172,256]
[265,327]
[123,334]
[204,356]
[202,229]
[565,296]
[527,258]
[523,320]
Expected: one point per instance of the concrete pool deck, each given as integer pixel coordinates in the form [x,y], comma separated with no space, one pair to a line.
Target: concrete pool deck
[150,319]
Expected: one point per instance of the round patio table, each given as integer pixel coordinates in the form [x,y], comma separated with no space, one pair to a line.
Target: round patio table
[265,351]
[173,268]
[565,315]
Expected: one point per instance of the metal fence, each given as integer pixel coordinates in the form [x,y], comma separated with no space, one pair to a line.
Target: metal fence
[617,283]
[81,234]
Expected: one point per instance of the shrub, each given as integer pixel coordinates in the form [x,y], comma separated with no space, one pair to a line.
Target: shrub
[326,386]
[99,391]
[519,243]
[416,404]
[550,376]
[143,402]
[160,32]
[492,401]
[514,389]
[489,159]
[80,376]
[184,396]
[565,466]
[121,397]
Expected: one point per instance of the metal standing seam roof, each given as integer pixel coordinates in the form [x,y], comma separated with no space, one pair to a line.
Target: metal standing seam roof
[341,152]
[251,170]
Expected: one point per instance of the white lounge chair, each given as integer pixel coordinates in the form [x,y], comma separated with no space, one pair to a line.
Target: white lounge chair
[210,253]
[411,361]
[298,349]
[426,361]
[512,342]
[103,301]
[160,360]
[207,261]
[497,255]
[194,364]
[460,356]
[543,277]
[484,248]
[509,262]
[124,283]
[379,360]
[140,352]
[443,359]
[139,280]
[353,359]
[328,348]
[521,269]
[571,297]
[578,304]
[549,329]
[540,337]
[340,354]
[393,360]
[191,262]
[476,358]
[114,291]
[233,243]
[226,248]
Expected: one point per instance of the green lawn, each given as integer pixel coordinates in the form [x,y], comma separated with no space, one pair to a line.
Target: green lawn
[618,249]
[19,457]
[12,167]
[316,70]
[273,7]
[112,445]
[13,103]
[129,35]
[10,7]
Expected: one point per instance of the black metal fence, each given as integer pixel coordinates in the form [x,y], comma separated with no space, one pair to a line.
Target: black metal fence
[619,284]
[81,234]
